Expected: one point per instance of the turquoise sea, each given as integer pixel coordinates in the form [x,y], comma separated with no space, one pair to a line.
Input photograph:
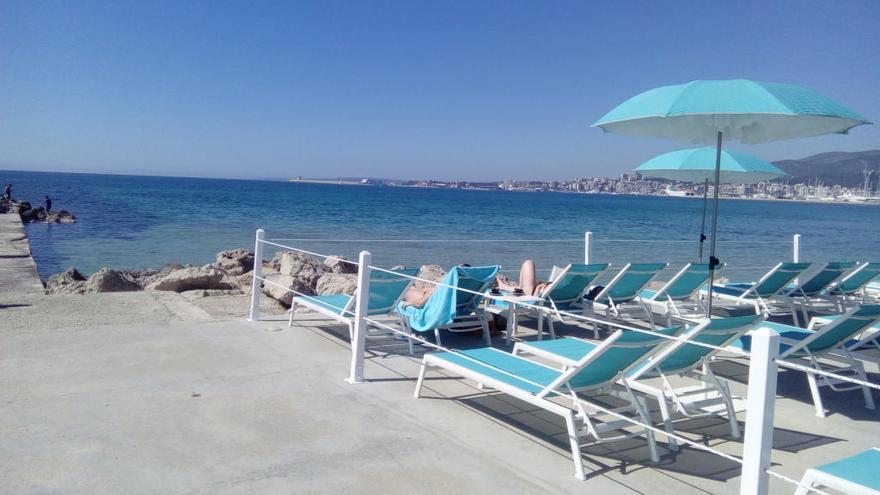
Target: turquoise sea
[134,221]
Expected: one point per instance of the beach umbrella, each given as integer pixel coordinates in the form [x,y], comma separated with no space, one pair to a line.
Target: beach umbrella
[698,165]
[709,111]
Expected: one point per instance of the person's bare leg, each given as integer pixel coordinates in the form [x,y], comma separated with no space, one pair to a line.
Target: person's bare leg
[528,279]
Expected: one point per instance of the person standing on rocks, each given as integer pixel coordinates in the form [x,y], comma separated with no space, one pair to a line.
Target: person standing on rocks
[7,193]
[48,204]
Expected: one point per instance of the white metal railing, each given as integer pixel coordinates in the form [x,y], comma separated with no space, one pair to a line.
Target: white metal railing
[763,358]
[589,240]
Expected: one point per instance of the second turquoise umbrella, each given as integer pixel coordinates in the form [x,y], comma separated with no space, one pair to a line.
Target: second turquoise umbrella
[697,165]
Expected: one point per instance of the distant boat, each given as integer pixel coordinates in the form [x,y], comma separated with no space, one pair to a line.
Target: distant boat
[678,193]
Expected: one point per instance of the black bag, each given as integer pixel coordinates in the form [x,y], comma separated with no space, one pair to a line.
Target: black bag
[594,292]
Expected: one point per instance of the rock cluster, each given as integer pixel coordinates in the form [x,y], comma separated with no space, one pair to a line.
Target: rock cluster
[30,215]
[230,274]
[289,270]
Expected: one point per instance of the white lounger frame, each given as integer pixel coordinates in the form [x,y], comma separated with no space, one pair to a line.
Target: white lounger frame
[579,423]
[615,309]
[664,305]
[815,478]
[848,362]
[347,310]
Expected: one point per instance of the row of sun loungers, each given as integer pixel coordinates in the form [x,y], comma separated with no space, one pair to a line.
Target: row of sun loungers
[562,375]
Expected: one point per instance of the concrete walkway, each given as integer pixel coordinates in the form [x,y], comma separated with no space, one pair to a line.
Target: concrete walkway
[18,272]
[234,407]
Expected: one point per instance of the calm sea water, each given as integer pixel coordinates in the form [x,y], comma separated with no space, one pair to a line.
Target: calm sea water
[133,222]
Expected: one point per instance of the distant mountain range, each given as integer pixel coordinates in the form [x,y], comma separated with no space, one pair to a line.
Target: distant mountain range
[837,167]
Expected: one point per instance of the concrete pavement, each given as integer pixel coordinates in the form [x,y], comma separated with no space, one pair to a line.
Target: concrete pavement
[18,272]
[178,406]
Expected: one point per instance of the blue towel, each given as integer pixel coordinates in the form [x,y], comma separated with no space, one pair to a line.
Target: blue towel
[440,309]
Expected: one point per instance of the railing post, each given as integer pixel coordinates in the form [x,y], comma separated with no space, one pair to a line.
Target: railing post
[760,411]
[359,337]
[796,248]
[588,241]
[257,273]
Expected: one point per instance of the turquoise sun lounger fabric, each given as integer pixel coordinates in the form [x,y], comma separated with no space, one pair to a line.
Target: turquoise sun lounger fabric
[862,469]
[445,303]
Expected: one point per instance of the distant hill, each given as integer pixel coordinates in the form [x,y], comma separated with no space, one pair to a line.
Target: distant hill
[837,167]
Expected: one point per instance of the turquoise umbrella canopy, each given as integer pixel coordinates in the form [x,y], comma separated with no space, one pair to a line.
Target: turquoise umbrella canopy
[698,165]
[744,110]
[739,109]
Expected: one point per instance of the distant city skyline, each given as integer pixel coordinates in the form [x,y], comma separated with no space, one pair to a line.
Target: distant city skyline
[407,90]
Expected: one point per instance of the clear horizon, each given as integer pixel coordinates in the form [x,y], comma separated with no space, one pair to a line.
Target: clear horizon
[440,90]
[331,177]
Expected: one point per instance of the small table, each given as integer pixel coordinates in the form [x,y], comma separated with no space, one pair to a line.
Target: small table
[512,309]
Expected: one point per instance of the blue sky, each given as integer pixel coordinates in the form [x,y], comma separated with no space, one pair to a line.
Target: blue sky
[408,89]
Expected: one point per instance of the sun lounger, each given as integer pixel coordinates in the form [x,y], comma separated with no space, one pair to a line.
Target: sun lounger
[451,309]
[763,295]
[677,298]
[677,357]
[808,294]
[855,475]
[870,337]
[386,290]
[853,289]
[818,346]
[564,292]
[623,291]
[543,386]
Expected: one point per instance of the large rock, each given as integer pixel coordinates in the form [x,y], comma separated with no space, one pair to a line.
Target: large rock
[338,264]
[200,293]
[277,284]
[336,283]
[294,263]
[235,261]
[108,280]
[190,278]
[429,272]
[62,216]
[70,281]
[243,282]
[32,214]
[147,276]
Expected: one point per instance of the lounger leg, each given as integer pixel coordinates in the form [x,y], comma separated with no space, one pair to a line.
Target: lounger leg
[486,335]
[540,322]
[574,440]
[418,392]
[642,407]
[814,391]
[290,321]
[805,484]
[552,327]
[869,398]
[666,414]
[437,336]
[405,326]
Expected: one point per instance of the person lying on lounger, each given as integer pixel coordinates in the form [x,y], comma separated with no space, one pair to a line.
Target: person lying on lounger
[528,281]
[418,296]
[528,284]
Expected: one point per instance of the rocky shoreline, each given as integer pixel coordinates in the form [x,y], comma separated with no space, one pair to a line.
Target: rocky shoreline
[29,214]
[230,274]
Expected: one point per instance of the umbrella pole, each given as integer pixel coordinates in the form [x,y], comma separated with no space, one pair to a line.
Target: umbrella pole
[703,226]
[712,260]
